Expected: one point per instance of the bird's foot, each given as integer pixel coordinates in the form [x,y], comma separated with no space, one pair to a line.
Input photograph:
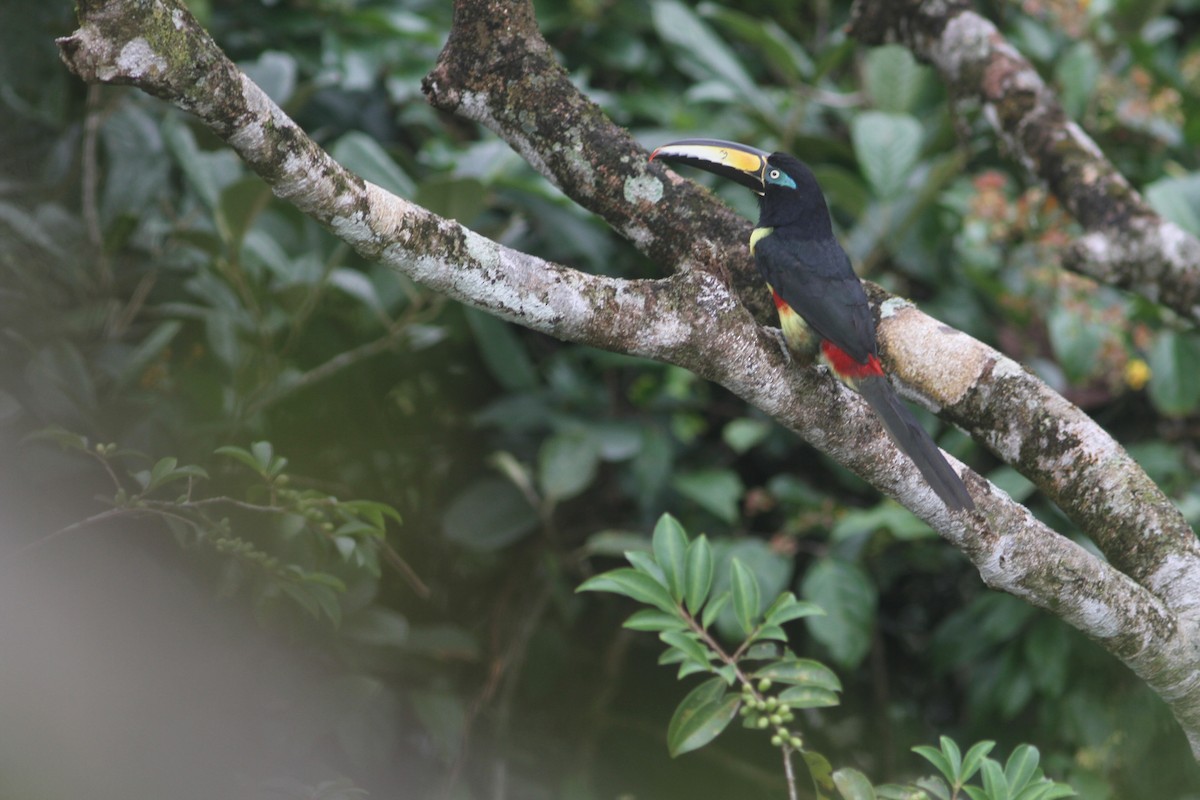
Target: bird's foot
[781,340]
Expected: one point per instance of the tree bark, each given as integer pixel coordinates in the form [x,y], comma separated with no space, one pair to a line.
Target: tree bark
[497,69]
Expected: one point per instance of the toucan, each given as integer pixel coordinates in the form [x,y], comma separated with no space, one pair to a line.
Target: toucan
[823,309]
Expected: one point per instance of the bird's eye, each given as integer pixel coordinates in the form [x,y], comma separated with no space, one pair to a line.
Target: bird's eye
[773,175]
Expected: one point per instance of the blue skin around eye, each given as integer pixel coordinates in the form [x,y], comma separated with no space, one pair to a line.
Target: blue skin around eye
[783,180]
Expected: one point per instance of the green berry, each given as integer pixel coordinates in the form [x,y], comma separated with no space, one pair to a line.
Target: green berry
[776,741]
[776,719]
[796,742]
[764,684]
[762,723]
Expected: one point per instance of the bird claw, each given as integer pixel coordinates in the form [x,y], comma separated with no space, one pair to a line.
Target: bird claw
[781,340]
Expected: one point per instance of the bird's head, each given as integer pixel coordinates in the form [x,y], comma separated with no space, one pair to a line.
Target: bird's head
[789,194]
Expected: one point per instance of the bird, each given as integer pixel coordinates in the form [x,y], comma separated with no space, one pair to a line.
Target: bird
[823,310]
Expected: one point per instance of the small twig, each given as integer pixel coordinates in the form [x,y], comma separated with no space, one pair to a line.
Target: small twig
[789,772]
[322,371]
[36,544]
[405,569]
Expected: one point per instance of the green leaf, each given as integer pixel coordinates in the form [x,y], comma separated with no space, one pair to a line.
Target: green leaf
[651,619]
[701,53]
[264,455]
[357,285]
[773,632]
[994,782]
[764,651]
[887,147]
[1177,199]
[62,437]
[670,546]
[1020,767]
[462,199]
[714,608]
[644,562]
[701,716]
[274,73]
[892,78]
[239,454]
[848,597]
[808,697]
[787,608]
[361,154]
[935,787]
[889,516]
[377,626]
[502,350]
[372,510]
[1077,337]
[777,48]
[746,600]
[691,666]
[715,490]
[238,206]
[974,758]
[821,771]
[1174,379]
[688,644]
[135,364]
[853,785]
[892,791]
[744,433]
[631,583]
[953,758]
[938,759]
[801,672]
[615,543]
[1077,71]
[488,515]
[698,573]
[567,464]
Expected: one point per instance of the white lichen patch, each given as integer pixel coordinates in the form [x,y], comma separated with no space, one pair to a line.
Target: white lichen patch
[640,235]
[966,39]
[137,59]
[484,251]
[643,188]
[578,165]
[178,16]
[892,306]
[1095,618]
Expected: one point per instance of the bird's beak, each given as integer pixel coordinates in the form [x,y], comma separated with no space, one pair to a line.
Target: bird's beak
[738,162]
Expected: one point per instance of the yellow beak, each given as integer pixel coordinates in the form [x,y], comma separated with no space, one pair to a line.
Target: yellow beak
[738,162]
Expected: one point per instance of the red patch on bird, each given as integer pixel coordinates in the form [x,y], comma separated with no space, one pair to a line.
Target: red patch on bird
[846,366]
[780,303]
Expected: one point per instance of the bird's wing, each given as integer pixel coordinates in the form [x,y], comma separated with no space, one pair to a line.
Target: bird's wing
[815,278]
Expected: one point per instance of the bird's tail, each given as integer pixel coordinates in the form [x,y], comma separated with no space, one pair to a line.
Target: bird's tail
[914,441]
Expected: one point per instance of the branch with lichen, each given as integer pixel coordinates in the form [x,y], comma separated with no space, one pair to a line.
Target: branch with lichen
[1126,244]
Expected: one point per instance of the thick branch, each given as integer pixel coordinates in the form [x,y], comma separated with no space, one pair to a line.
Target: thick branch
[496,69]
[1128,245]
[1053,443]
[691,320]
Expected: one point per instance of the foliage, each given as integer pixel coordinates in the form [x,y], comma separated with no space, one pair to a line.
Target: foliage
[676,579]
[155,294]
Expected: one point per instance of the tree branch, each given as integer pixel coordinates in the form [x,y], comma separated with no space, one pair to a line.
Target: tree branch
[1128,245]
